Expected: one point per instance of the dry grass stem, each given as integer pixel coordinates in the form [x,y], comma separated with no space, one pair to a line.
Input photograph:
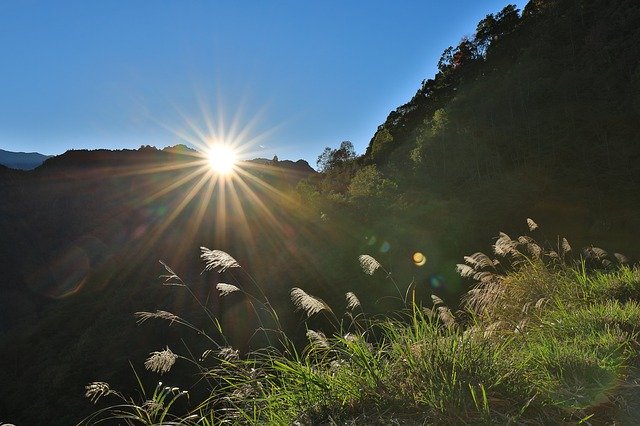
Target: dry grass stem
[143,316]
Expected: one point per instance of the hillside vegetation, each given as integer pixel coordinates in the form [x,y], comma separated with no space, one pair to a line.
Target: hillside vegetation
[544,337]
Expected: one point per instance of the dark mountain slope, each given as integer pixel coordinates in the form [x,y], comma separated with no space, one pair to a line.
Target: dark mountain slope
[555,89]
[81,239]
[21,160]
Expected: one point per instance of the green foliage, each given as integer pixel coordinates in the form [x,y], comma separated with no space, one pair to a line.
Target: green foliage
[335,158]
[369,182]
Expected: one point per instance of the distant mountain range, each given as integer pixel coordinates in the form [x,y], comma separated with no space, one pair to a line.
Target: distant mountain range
[22,160]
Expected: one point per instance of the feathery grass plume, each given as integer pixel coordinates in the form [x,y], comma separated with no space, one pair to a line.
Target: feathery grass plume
[228,354]
[479,260]
[96,390]
[436,300]
[446,316]
[566,248]
[161,361]
[595,253]
[226,289]
[531,224]
[621,258]
[152,406]
[484,295]
[541,302]
[171,278]
[521,325]
[143,316]
[505,245]
[534,249]
[368,263]
[309,304]
[491,329]
[552,254]
[217,260]
[318,339]
[352,301]
[483,276]
[465,271]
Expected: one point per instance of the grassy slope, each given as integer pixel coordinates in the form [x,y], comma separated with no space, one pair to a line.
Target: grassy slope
[546,337]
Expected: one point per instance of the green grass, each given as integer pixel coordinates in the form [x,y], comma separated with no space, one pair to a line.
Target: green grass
[543,338]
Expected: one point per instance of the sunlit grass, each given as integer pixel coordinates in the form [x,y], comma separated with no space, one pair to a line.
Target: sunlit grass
[555,341]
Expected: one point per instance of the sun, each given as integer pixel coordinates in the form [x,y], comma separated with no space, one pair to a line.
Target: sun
[222,158]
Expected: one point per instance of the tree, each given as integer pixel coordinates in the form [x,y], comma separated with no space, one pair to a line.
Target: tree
[334,158]
[369,182]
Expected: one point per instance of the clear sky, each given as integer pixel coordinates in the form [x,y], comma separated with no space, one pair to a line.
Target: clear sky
[290,76]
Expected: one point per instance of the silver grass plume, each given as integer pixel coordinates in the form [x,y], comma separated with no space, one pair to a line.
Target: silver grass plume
[161,361]
[483,276]
[171,278]
[309,304]
[479,260]
[352,301]
[521,325]
[318,339]
[505,245]
[491,329]
[143,316]
[96,390]
[621,258]
[484,294]
[566,248]
[531,224]
[368,263]
[541,302]
[226,289]
[465,271]
[436,300]
[595,253]
[217,260]
[228,354]
[534,249]
[446,317]
[152,406]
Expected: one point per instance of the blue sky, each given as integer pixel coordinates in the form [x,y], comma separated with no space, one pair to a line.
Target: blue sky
[291,77]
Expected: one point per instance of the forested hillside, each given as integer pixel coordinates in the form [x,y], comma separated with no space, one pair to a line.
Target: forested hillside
[535,114]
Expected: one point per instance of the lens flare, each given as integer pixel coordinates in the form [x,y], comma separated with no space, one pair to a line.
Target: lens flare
[222,158]
[419,259]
